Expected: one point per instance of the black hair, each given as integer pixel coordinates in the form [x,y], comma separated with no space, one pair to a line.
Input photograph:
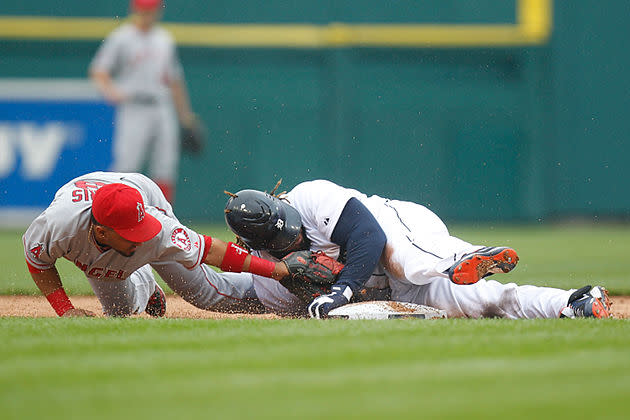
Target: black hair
[94,221]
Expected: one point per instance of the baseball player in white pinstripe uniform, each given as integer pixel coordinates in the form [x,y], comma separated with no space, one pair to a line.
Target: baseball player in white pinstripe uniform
[392,243]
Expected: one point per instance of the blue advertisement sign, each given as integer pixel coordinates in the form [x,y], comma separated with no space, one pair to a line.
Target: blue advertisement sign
[46,142]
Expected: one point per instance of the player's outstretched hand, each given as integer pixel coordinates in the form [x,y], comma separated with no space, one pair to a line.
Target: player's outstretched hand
[320,306]
[77,312]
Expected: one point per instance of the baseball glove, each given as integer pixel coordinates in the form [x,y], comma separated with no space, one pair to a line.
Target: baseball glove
[312,274]
[193,136]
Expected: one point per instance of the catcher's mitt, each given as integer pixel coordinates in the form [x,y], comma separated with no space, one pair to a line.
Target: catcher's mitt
[312,274]
[192,136]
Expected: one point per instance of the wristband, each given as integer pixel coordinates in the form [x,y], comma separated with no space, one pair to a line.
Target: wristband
[261,266]
[59,301]
[206,248]
[234,258]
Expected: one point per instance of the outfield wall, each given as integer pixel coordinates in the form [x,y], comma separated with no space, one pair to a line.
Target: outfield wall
[484,110]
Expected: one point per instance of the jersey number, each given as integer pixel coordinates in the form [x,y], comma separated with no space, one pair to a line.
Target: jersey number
[85,190]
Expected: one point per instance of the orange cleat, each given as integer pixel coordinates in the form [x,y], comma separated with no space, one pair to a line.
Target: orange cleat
[588,302]
[482,263]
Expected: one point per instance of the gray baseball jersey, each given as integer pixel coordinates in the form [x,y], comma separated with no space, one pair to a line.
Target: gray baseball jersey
[63,231]
[143,65]
[124,284]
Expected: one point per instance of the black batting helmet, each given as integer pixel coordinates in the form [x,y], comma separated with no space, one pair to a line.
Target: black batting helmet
[262,221]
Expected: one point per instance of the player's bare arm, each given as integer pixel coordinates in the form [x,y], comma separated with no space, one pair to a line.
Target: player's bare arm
[106,86]
[49,283]
[230,257]
[182,102]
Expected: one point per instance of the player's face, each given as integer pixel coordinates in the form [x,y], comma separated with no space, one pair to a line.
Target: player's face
[109,237]
[145,19]
[297,244]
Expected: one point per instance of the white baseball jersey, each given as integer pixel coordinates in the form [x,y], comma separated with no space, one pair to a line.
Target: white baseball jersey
[63,231]
[141,63]
[418,251]
[320,204]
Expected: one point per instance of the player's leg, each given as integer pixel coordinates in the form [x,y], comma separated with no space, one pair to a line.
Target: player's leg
[488,298]
[421,247]
[206,289]
[132,135]
[165,153]
[125,297]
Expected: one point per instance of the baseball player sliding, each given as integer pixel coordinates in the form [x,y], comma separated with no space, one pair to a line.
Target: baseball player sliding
[392,243]
[137,69]
[115,227]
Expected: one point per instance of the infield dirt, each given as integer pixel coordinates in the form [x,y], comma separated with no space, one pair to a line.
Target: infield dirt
[38,307]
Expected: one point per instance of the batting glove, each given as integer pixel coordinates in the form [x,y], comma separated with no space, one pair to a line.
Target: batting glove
[320,306]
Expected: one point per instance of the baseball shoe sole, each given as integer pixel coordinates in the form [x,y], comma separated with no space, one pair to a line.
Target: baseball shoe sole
[482,263]
[588,302]
[156,307]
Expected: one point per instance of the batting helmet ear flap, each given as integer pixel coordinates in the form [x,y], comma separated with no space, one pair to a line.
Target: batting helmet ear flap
[262,221]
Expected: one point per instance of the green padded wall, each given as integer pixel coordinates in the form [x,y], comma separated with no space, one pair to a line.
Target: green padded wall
[505,133]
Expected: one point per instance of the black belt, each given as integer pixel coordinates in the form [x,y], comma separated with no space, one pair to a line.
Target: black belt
[143,99]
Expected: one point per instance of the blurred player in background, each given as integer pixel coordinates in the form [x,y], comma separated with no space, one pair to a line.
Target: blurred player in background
[136,68]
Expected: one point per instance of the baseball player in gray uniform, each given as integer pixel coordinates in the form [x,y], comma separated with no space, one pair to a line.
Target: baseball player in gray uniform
[115,227]
[137,69]
[392,243]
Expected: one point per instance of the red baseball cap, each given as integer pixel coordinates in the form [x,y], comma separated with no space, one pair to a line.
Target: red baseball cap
[147,5]
[121,208]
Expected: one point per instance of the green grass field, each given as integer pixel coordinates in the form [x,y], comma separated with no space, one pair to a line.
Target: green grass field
[308,369]
[333,369]
[557,256]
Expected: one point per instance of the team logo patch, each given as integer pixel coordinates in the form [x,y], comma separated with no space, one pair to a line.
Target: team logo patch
[37,250]
[279,224]
[181,240]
